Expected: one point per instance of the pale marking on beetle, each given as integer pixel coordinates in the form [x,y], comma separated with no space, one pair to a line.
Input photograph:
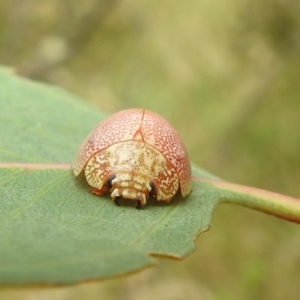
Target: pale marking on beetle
[135,164]
[163,137]
[119,127]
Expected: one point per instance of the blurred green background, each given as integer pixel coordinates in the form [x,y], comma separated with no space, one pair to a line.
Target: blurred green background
[226,75]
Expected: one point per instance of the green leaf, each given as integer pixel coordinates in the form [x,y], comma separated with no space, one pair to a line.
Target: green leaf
[53,231]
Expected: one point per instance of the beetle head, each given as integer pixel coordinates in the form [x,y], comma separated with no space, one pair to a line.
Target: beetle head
[134,187]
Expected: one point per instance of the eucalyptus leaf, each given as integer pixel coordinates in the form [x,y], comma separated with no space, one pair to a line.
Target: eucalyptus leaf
[53,231]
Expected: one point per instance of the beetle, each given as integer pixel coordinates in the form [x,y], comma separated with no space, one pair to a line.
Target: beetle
[135,154]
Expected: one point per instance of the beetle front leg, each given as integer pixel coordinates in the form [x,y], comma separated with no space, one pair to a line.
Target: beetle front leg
[116,200]
[138,204]
[99,192]
[140,200]
[115,196]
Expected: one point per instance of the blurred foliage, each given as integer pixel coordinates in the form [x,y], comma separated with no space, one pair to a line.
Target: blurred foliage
[226,74]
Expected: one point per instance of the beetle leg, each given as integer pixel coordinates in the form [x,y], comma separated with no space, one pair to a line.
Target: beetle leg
[109,180]
[138,204]
[140,200]
[98,192]
[115,196]
[153,190]
[116,200]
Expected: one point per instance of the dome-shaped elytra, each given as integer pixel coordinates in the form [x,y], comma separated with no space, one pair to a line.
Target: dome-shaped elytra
[138,125]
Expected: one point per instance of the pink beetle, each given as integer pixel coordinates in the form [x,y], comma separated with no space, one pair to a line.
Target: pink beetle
[135,154]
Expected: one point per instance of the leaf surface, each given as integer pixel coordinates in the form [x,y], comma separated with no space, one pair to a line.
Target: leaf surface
[52,230]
